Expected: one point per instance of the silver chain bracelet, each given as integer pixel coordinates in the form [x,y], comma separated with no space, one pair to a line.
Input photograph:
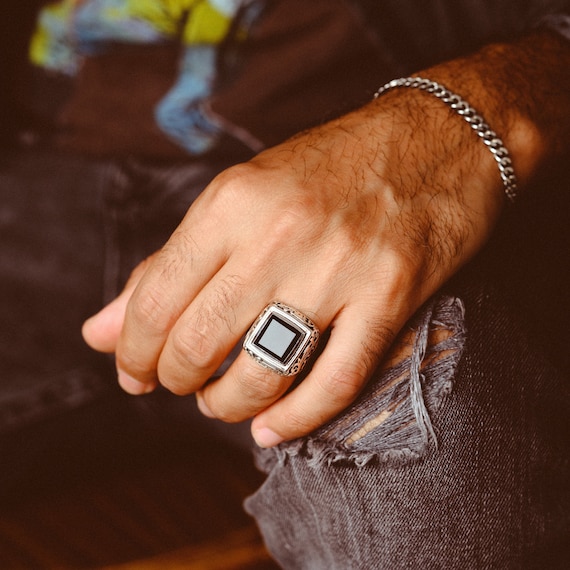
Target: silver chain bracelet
[488,136]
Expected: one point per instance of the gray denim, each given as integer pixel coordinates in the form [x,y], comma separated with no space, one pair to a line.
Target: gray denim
[71,230]
[487,488]
[457,455]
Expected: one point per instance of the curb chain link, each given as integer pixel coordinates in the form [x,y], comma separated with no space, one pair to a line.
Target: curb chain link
[476,121]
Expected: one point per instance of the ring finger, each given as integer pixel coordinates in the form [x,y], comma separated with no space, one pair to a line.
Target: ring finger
[277,347]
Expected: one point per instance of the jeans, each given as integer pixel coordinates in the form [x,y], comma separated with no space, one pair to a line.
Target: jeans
[72,228]
[51,259]
[456,454]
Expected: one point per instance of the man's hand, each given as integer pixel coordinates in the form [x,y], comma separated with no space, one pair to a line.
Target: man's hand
[355,223]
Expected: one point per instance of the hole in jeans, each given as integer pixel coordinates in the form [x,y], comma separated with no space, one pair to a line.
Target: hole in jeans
[392,418]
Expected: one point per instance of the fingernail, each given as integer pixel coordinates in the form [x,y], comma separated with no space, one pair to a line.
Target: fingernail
[264,437]
[203,407]
[132,386]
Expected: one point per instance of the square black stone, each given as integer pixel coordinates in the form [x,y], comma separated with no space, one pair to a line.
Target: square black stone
[278,338]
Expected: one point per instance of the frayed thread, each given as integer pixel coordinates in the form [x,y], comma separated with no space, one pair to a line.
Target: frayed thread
[391,420]
[417,379]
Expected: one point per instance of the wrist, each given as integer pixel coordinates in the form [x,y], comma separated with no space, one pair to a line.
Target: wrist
[523,91]
[422,160]
[472,117]
[433,150]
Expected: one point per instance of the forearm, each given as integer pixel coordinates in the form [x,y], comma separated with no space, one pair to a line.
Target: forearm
[436,183]
[523,91]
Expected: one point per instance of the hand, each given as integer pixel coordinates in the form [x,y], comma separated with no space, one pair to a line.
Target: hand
[355,223]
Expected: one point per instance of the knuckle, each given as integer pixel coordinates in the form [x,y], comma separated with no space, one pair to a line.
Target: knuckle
[298,422]
[175,385]
[232,186]
[149,308]
[300,217]
[252,391]
[343,384]
[401,263]
[400,279]
[195,348]
[238,174]
[260,385]
[226,413]
[134,366]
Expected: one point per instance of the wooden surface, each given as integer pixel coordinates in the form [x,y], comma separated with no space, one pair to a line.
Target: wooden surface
[162,503]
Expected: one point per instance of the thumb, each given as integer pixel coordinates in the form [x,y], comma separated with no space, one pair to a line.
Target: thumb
[101,331]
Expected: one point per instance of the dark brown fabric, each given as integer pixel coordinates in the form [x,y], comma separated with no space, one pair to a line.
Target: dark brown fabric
[127,482]
[111,109]
[304,62]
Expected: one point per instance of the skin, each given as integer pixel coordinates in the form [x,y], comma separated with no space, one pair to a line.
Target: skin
[355,223]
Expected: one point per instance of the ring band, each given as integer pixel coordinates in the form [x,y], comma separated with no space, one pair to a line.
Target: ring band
[282,339]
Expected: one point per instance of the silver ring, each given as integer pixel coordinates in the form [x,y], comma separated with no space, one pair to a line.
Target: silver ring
[282,339]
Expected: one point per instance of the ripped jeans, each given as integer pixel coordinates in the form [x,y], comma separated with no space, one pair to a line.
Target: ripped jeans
[72,229]
[455,456]
[457,453]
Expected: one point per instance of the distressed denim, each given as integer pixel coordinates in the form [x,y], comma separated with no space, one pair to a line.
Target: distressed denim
[469,473]
[456,454]
[50,263]
[71,230]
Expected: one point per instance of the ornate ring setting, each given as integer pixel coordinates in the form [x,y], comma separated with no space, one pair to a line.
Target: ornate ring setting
[282,339]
